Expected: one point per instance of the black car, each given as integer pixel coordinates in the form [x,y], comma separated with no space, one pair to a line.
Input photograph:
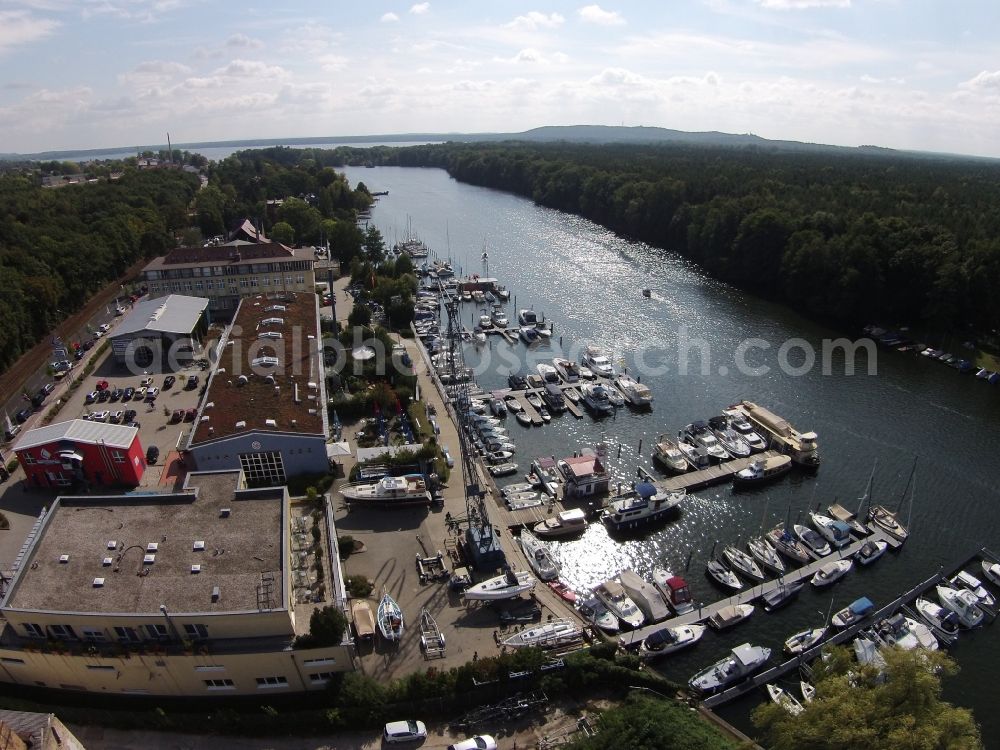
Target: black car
[88,344]
[22,416]
[168,382]
[517,382]
[128,416]
[116,394]
[128,393]
[104,395]
[152,454]
[192,381]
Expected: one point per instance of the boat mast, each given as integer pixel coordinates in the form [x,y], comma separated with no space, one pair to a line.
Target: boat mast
[868,489]
[906,489]
[913,492]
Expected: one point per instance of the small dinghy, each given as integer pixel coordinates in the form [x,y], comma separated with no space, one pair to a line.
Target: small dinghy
[808,691]
[785,699]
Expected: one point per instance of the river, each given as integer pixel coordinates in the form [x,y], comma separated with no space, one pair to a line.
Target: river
[588,282]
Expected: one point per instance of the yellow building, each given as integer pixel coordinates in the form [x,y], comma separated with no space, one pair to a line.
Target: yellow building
[226,273]
[182,593]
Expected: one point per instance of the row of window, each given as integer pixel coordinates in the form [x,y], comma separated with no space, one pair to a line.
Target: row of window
[117,456]
[252,282]
[155,631]
[242,269]
[266,683]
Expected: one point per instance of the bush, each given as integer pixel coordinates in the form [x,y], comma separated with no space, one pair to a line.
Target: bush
[358,587]
[298,486]
[345,546]
[327,627]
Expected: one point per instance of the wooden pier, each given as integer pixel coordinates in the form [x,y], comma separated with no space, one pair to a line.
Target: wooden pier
[717,474]
[846,634]
[572,408]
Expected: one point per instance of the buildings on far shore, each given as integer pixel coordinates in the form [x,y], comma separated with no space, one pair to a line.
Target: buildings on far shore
[187,593]
[80,454]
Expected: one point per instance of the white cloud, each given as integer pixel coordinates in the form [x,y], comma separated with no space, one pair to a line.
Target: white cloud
[596,14]
[876,80]
[533,20]
[533,56]
[983,81]
[802,4]
[420,9]
[250,69]
[332,63]
[389,18]
[242,40]
[18,27]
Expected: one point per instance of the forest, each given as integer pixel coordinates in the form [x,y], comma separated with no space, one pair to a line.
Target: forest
[852,238]
[60,246]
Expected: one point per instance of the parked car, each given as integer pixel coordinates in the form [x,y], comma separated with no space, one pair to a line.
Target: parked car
[103,396]
[129,415]
[104,327]
[404,731]
[99,416]
[449,461]
[22,416]
[140,394]
[102,385]
[152,454]
[192,381]
[152,392]
[116,417]
[146,382]
[87,345]
[133,424]
[90,397]
[116,394]
[46,389]
[190,414]
[128,393]
[11,432]
[479,742]
[176,416]
[168,382]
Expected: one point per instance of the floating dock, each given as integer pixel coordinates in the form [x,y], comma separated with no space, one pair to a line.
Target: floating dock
[717,474]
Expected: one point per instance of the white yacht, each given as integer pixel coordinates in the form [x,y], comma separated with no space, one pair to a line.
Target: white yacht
[804,640]
[619,604]
[675,590]
[595,359]
[964,580]
[505,586]
[485,321]
[811,539]
[539,557]
[550,635]
[699,435]
[669,640]
[906,633]
[595,398]
[409,489]
[645,596]
[564,523]
[569,371]
[731,440]
[527,317]
[837,533]
[637,394]
[741,425]
[669,455]
[547,373]
[742,662]
[937,616]
[528,334]
[644,505]
[499,317]
[593,611]
[831,572]
[963,603]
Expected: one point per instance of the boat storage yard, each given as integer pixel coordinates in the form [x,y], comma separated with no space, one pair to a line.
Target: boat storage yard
[482,517]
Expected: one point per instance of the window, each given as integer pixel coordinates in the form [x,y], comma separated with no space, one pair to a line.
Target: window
[244,282]
[265,469]
[300,280]
[271,682]
[266,281]
[157,631]
[63,631]
[126,635]
[319,662]
[199,285]
[195,631]
[101,667]
[187,286]
[33,630]
[92,634]
[209,668]
[223,684]
[119,457]
[253,281]
[11,660]
[320,678]
[27,458]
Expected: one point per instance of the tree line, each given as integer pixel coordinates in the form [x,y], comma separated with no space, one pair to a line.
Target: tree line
[852,238]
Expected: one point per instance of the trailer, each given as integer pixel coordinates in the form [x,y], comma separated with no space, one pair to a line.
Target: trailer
[432,568]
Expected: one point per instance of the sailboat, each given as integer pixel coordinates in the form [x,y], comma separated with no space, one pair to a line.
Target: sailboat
[887,520]
[840,513]
[390,618]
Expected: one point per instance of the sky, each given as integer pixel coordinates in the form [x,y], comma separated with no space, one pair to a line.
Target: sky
[910,74]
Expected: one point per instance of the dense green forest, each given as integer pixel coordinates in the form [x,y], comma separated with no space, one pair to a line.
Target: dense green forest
[854,238]
[60,246]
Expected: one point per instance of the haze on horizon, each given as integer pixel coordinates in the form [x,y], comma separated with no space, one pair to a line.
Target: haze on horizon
[103,73]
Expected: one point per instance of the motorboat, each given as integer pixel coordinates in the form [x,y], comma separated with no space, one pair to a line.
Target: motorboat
[964,580]
[871,551]
[547,373]
[939,618]
[886,520]
[615,397]
[389,618]
[512,489]
[866,651]
[729,616]
[811,539]
[743,563]
[364,620]
[644,505]
[696,456]
[485,321]
[785,699]
[478,296]
[831,572]
[788,545]
[645,595]
[730,439]
[501,292]
[906,633]
[523,500]
[635,392]
[534,400]
[479,336]
[539,557]
[742,662]
[595,398]
[544,414]
[527,318]
[963,603]
[499,457]
[568,371]
[992,571]
[700,435]
[563,591]
[466,296]
[498,407]
[619,604]
[523,418]
[808,691]
[409,489]
[595,359]
[552,634]
[674,589]
[765,553]
[554,397]
[499,317]
[586,373]
[781,595]
[593,611]
[763,470]
[543,471]
[506,586]
[838,512]
[667,453]
[528,334]
[513,405]
[854,612]
[667,641]
[837,533]
[721,574]
[804,640]
[741,425]
[572,394]
[564,523]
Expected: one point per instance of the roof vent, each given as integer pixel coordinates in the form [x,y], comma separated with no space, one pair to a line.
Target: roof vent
[241,424]
[294,422]
[98,582]
[224,512]
[152,547]
[312,411]
[270,423]
[312,386]
[277,390]
[269,379]
[195,568]
[149,559]
[221,369]
[64,558]
[216,593]
[198,546]
[210,405]
[242,379]
[204,418]
[112,544]
[106,562]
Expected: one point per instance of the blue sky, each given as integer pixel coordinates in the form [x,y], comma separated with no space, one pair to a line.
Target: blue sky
[101,73]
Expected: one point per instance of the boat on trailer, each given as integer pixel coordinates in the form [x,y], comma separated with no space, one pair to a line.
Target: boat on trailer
[390,618]
[550,635]
[505,586]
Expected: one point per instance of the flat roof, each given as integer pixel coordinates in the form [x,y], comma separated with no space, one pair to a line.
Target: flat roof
[584,466]
[175,313]
[237,549]
[269,372]
[80,431]
[229,255]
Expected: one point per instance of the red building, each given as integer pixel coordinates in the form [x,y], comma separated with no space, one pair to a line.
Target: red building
[81,454]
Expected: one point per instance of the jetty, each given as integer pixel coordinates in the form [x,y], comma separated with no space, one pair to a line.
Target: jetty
[715,474]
